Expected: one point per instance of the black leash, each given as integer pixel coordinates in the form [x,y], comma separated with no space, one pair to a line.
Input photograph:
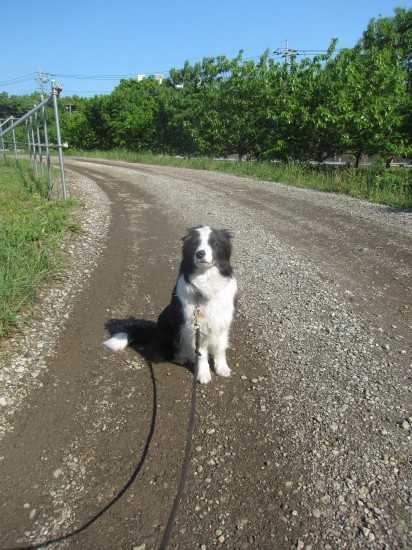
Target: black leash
[185,464]
[85,526]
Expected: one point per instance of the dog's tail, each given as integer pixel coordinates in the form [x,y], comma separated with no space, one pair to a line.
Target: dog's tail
[138,336]
[117,342]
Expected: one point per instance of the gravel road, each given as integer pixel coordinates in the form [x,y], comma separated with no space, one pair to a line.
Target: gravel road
[308,443]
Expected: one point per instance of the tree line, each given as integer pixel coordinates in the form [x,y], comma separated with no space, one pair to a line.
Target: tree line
[353,101]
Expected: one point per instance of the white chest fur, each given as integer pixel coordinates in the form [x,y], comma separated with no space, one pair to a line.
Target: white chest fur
[214,295]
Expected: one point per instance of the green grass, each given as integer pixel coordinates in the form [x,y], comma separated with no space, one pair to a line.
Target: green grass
[392,187]
[31,232]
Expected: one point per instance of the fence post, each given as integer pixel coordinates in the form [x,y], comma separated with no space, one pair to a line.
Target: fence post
[46,144]
[55,92]
[3,123]
[33,144]
[39,148]
[28,143]
[2,144]
[14,143]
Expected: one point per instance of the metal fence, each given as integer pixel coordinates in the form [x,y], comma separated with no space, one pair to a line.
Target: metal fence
[37,140]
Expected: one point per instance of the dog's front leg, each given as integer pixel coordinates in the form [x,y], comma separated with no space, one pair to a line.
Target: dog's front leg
[221,366]
[218,351]
[203,373]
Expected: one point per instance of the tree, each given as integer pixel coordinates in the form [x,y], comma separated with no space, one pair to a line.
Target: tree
[320,93]
[132,107]
[243,103]
[98,123]
[189,117]
[15,105]
[178,116]
[174,127]
[371,100]
[306,119]
[394,33]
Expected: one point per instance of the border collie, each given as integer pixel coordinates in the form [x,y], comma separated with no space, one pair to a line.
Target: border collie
[206,281]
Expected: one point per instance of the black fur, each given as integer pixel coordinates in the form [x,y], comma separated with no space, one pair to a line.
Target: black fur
[161,341]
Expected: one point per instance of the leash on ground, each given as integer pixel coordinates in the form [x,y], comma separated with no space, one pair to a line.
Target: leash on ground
[188,448]
[131,480]
[185,464]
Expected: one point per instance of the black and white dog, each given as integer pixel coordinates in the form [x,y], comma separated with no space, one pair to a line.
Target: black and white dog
[206,281]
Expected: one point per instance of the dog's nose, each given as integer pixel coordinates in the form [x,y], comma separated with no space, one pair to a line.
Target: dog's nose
[200,254]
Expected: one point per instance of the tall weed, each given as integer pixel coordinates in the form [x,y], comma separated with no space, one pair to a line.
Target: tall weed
[31,229]
[391,186]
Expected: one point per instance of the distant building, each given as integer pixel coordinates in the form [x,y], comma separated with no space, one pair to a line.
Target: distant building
[159,77]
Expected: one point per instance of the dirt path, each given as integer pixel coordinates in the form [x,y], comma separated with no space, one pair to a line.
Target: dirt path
[105,433]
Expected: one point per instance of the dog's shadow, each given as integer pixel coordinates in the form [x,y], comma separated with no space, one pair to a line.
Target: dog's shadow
[147,328]
[121,325]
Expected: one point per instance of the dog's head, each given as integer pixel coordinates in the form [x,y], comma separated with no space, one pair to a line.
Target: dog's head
[204,247]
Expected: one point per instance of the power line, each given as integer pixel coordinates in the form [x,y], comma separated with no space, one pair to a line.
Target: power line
[18,80]
[42,78]
[287,52]
[93,77]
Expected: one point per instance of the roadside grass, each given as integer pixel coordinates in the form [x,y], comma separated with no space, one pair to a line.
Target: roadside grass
[31,232]
[392,186]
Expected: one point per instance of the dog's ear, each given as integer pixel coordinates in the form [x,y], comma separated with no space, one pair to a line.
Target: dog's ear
[189,233]
[225,233]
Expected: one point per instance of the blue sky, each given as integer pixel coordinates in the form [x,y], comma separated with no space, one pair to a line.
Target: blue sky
[90,45]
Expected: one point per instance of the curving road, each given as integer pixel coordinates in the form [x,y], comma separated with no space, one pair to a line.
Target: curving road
[306,445]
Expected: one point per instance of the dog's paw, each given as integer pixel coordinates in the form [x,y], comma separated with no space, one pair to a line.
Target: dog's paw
[204,376]
[222,370]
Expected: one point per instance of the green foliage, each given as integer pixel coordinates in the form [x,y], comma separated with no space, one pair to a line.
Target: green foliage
[31,229]
[16,105]
[393,34]
[356,102]
[371,102]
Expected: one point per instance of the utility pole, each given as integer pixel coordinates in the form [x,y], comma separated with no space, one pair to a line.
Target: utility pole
[41,79]
[285,52]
